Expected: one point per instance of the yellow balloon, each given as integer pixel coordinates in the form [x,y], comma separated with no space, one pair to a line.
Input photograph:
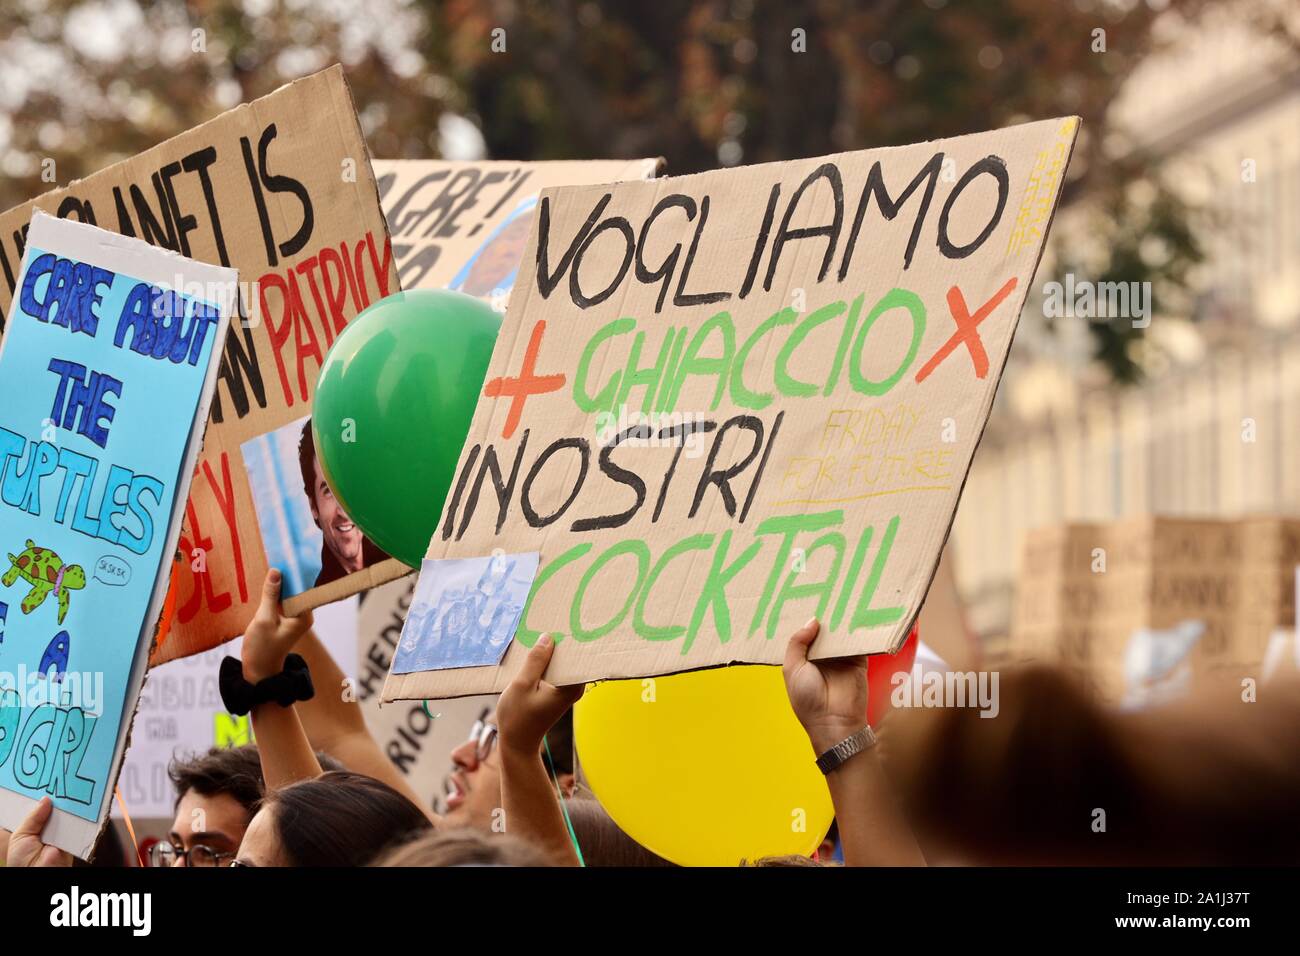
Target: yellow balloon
[705,768]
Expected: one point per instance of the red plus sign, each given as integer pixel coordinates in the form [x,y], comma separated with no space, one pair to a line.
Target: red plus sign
[524,384]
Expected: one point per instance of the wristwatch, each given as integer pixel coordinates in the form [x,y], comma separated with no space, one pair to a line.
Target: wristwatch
[864,739]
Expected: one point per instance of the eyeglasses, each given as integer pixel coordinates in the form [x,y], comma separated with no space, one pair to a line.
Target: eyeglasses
[484,736]
[164,853]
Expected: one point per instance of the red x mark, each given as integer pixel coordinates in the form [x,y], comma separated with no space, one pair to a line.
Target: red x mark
[525,384]
[966,331]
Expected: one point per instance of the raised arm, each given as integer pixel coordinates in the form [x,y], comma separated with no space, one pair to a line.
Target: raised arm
[830,699]
[528,708]
[334,724]
[287,755]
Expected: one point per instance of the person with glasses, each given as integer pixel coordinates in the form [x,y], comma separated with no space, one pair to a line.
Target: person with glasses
[472,790]
[217,793]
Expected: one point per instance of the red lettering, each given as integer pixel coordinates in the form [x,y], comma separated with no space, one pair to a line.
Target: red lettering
[279,336]
[227,506]
[334,302]
[967,331]
[216,602]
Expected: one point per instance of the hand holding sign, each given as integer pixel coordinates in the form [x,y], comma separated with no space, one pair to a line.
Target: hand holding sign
[25,846]
[829,697]
[271,636]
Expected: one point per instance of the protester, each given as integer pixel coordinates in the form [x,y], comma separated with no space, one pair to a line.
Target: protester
[464,846]
[474,784]
[25,847]
[1057,778]
[599,839]
[336,819]
[217,793]
[333,715]
[829,697]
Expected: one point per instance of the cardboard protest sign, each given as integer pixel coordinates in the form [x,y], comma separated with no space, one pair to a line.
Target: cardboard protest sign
[460,225]
[106,376]
[464,225]
[1086,590]
[724,402]
[282,190]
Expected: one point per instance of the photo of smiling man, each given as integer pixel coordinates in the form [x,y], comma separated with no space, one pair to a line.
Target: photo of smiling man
[305,531]
[345,549]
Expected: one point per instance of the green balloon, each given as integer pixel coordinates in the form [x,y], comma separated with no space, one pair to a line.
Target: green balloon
[393,407]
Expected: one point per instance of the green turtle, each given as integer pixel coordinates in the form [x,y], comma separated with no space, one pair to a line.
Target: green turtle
[46,572]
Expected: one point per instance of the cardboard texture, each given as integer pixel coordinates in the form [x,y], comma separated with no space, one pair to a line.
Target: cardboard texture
[724,402]
[281,189]
[445,217]
[1074,610]
[96,471]
[436,246]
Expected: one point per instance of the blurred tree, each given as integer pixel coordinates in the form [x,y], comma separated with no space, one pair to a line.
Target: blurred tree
[701,82]
[85,84]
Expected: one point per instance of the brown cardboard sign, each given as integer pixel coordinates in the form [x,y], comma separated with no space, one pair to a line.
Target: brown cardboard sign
[462,225]
[722,403]
[1086,589]
[282,190]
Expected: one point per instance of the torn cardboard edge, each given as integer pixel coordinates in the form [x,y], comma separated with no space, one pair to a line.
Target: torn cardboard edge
[476,681]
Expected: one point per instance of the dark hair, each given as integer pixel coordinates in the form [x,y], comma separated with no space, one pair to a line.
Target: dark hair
[1204,780]
[601,841]
[464,846]
[789,859]
[307,461]
[558,742]
[234,771]
[341,819]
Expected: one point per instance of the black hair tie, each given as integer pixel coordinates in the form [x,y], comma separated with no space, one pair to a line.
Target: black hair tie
[290,685]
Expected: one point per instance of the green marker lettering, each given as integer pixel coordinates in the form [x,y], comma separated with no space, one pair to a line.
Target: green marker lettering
[526,635]
[787,384]
[740,394]
[668,632]
[631,546]
[789,526]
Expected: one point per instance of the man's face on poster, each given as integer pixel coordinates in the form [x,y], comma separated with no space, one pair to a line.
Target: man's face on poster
[342,537]
[500,258]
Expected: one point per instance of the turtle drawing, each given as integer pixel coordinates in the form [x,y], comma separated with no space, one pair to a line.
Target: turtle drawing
[46,572]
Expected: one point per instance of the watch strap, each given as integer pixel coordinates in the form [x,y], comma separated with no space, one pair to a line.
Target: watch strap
[864,739]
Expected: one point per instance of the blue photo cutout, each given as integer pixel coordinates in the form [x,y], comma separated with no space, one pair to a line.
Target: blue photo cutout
[465,612]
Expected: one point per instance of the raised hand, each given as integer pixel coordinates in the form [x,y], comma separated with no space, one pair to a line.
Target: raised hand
[25,846]
[271,636]
[530,706]
[829,696]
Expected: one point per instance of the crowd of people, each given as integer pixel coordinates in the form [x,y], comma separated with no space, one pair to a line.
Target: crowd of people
[1201,780]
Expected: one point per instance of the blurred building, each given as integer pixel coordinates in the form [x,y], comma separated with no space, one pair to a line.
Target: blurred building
[1214,430]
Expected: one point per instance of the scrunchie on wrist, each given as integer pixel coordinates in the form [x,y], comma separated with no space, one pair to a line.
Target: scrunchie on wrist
[290,685]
